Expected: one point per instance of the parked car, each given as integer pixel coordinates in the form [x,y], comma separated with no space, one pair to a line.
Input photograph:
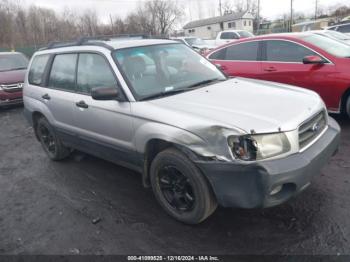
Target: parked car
[334,35]
[198,138]
[343,28]
[196,43]
[228,36]
[12,70]
[302,59]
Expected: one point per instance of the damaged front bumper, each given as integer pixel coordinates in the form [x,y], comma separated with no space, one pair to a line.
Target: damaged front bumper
[271,182]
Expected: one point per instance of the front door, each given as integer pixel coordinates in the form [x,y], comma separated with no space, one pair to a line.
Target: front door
[283,63]
[104,127]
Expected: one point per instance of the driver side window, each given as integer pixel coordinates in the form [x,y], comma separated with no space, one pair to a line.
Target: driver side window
[93,72]
[285,51]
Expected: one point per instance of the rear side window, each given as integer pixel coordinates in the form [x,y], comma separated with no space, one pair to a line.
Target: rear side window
[94,71]
[37,69]
[62,74]
[284,51]
[243,52]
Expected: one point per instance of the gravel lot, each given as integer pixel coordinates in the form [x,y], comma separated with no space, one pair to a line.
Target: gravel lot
[49,208]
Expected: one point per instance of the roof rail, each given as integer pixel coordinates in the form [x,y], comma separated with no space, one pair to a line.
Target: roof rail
[99,40]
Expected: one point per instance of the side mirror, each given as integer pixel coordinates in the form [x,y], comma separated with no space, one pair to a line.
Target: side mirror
[313,59]
[104,93]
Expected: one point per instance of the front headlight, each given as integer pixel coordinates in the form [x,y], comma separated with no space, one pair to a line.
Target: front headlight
[259,147]
[1,87]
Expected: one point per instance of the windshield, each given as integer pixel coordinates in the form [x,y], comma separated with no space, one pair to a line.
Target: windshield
[331,46]
[195,41]
[244,34]
[337,35]
[9,62]
[167,68]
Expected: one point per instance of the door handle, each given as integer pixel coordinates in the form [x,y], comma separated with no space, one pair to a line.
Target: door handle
[270,69]
[46,97]
[82,104]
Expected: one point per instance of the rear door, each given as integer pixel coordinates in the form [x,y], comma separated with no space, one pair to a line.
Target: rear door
[283,62]
[240,59]
[61,94]
[104,127]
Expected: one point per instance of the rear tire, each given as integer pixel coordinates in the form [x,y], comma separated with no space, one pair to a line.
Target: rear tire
[180,188]
[50,141]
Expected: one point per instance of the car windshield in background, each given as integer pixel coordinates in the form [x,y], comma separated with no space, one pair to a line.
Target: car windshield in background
[337,35]
[165,69]
[195,41]
[9,62]
[244,34]
[333,47]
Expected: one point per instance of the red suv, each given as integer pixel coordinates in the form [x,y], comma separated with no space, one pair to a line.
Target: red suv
[12,71]
[303,59]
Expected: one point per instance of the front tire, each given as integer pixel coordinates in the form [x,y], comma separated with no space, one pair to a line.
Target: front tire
[347,107]
[50,141]
[180,188]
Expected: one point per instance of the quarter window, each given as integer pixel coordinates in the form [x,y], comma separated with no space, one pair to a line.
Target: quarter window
[37,69]
[242,52]
[63,72]
[93,71]
[283,51]
[229,35]
[218,55]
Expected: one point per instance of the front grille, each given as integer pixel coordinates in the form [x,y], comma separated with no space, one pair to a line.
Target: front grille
[311,129]
[12,87]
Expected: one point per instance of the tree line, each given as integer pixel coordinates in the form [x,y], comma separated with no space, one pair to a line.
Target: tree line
[36,26]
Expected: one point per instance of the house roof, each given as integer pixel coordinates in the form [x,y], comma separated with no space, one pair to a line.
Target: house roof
[214,20]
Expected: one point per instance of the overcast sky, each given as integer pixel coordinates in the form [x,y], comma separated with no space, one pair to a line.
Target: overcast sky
[194,8]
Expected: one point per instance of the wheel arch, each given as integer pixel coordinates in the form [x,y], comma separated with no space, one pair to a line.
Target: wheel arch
[36,115]
[156,145]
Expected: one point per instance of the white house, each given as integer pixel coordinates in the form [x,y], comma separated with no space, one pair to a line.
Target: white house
[208,28]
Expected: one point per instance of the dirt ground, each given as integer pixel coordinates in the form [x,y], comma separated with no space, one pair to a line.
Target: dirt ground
[49,208]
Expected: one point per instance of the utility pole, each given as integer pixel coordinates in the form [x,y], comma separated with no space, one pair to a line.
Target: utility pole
[258,16]
[316,9]
[220,7]
[291,16]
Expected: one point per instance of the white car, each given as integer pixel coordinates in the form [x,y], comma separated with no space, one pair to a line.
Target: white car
[228,36]
[334,35]
[198,44]
[342,28]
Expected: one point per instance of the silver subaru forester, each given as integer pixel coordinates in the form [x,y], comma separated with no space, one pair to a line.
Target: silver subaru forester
[198,138]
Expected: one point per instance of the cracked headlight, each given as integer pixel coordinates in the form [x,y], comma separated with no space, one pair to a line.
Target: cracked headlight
[259,147]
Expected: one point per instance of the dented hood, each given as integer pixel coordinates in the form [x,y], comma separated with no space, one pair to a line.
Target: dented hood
[241,104]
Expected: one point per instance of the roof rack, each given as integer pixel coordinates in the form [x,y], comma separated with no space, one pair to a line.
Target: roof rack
[98,41]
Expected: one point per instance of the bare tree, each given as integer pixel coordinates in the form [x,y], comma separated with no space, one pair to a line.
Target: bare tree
[164,14]
[241,6]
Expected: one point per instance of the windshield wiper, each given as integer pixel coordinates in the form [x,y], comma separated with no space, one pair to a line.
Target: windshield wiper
[182,90]
[205,82]
[17,68]
[164,94]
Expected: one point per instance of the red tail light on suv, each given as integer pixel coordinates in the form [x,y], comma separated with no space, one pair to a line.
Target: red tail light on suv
[13,67]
